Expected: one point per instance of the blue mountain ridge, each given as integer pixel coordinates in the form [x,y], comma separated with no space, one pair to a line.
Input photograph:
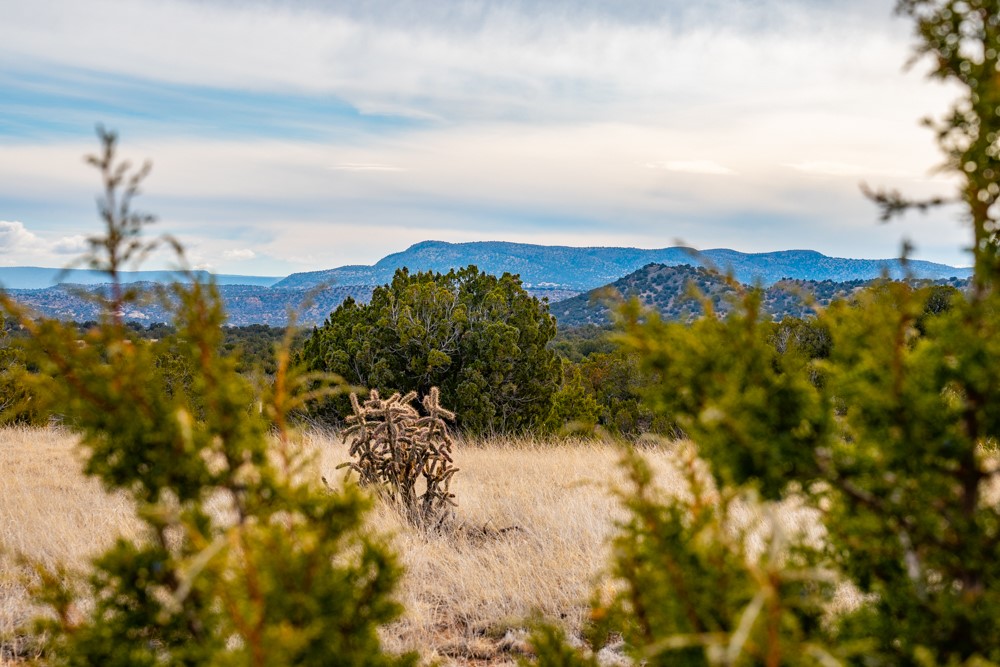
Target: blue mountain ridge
[581,269]
[556,273]
[35,277]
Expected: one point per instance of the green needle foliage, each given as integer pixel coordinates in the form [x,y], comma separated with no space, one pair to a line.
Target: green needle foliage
[244,560]
[17,403]
[686,569]
[888,429]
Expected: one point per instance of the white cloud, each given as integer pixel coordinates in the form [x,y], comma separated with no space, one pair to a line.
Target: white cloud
[486,60]
[241,254]
[831,168]
[15,237]
[693,167]
[70,245]
[365,166]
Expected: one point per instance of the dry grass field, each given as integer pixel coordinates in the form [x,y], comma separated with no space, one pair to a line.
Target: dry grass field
[533,524]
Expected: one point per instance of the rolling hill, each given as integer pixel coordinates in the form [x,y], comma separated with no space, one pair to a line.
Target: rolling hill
[671,291]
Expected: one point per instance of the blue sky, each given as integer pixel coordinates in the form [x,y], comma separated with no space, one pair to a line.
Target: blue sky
[294,136]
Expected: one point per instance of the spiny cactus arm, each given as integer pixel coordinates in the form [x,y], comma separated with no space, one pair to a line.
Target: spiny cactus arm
[433,407]
[407,398]
[438,483]
[356,406]
[439,473]
[365,479]
[420,467]
[441,452]
[360,445]
[435,427]
[445,495]
[413,449]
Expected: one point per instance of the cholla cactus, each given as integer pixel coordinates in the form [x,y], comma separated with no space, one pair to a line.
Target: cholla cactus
[394,447]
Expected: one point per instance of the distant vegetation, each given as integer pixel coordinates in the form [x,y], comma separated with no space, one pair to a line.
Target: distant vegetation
[246,305]
[683,292]
[33,277]
[659,286]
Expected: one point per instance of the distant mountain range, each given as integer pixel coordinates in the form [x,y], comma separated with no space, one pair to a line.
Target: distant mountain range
[553,272]
[34,277]
[245,304]
[580,269]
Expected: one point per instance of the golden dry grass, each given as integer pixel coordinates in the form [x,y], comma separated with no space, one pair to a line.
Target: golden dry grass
[49,512]
[533,524]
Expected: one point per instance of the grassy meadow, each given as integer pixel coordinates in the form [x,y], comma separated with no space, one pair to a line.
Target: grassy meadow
[531,535]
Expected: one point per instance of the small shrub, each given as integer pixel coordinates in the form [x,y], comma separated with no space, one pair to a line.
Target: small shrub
[395,447]
[243,562]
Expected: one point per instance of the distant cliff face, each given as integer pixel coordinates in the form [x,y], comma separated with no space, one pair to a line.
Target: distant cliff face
[581,269]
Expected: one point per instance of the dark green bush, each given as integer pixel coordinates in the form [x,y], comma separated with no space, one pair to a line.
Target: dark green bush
[481,339]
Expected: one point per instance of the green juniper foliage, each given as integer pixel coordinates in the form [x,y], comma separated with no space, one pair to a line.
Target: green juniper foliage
[18,404]
[481,339]
[573,407]
[244,561]
[678,606]
[617,382]
[602,383]
[883,416]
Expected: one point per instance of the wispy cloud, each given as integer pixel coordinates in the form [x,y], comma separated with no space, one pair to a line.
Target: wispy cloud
[693,167]
[20,245]
[472,60]
[829,168]
[365,166]
[70,245]
[240,254]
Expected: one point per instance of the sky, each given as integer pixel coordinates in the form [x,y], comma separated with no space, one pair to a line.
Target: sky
[299,136]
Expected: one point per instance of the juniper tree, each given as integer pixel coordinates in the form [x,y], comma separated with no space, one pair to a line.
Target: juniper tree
[890,434]
[479,338]
[243,560]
